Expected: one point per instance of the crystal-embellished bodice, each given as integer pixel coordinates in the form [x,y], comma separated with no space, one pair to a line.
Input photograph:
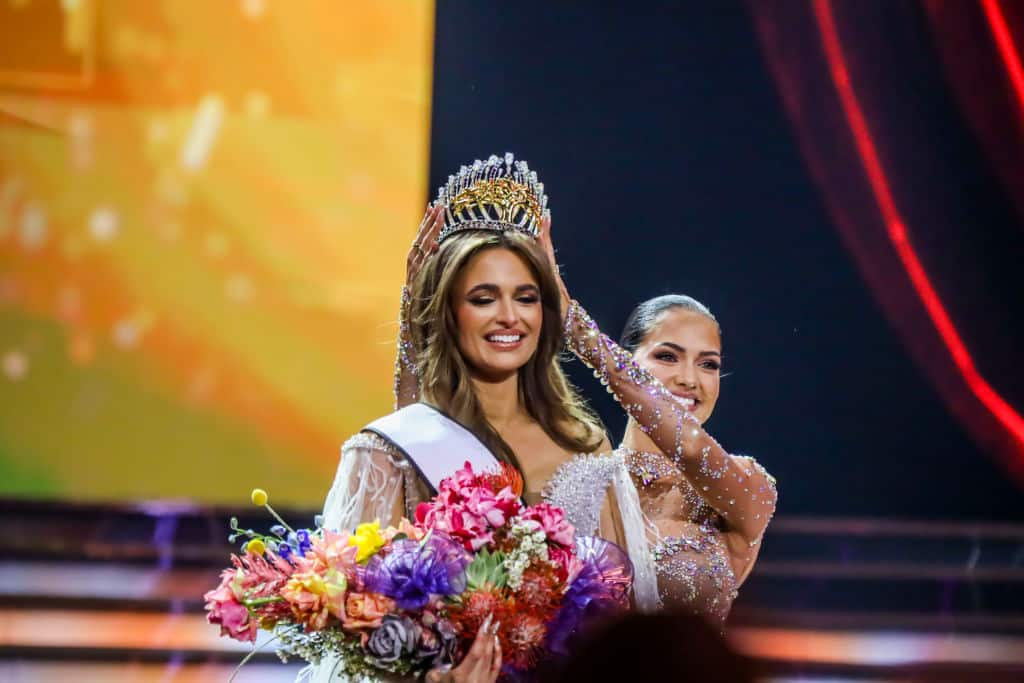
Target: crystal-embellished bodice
[600,499]
[580,485]
[692,516]
[687,543]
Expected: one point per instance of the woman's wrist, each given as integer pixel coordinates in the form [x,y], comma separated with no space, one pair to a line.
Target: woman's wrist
[566,302]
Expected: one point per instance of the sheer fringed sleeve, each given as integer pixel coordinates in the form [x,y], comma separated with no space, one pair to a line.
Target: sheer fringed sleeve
[737,487]
[371,483]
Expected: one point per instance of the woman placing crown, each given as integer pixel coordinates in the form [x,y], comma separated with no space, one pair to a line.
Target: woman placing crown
[705,510]
[694,529]
[482,332]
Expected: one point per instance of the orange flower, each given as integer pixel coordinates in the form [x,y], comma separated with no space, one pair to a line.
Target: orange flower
[365,610]
[404,527]
[502,476]
[314,598]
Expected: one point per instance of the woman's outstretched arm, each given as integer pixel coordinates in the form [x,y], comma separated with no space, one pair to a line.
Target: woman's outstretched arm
[736,486]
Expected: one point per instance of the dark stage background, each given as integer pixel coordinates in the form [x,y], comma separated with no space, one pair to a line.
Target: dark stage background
[672,167]
[202,243]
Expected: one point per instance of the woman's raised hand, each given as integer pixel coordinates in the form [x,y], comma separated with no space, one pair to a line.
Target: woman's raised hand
[425,243]
[482,663]
[544,240]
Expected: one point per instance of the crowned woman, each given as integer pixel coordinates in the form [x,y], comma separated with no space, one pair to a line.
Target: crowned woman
[690,514]
[484,316]
[481,334]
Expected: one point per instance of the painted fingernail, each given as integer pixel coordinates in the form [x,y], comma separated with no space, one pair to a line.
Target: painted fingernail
[496,627]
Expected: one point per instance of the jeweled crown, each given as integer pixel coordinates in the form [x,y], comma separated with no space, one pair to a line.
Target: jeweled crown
[498,194]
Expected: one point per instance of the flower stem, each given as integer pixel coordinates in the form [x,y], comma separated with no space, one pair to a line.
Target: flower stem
[258,602]
[248,657]
[252,654]
[278,517]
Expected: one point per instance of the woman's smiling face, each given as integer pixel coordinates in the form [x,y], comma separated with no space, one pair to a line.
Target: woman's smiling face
[497,306]
[684,351]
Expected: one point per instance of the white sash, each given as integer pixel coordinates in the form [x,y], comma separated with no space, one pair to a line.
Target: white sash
[435,444]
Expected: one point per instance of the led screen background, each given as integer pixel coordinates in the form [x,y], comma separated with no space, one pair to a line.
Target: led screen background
[204,211]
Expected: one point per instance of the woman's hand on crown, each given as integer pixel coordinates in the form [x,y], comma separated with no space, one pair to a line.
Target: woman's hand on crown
[544,239]
[425,243]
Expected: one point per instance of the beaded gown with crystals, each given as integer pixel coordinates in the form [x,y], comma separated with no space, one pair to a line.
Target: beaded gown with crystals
[677,513]
[691,517]
[704,511]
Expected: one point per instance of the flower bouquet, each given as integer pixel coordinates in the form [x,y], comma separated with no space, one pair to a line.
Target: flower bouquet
[411,597]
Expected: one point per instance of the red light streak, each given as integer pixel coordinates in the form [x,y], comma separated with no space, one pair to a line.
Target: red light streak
[896,228]
[1007,50]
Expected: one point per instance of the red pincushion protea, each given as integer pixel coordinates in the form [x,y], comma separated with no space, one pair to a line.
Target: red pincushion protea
[522,639]
[539,591]
[469,614]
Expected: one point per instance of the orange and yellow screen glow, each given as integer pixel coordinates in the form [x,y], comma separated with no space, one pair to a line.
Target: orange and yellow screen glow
[204,212]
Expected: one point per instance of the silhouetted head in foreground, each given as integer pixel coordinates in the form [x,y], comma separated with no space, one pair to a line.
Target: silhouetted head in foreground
[655,647]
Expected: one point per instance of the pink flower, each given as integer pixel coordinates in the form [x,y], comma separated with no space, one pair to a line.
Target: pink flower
[567,565]
[464,478]
[552,520]
[365,610]
[496,508]
[224,609]
[423,510]
[468,509]
[330,552]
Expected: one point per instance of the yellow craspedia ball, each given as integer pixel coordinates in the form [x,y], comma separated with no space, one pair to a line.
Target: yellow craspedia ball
[259,497]
[256,547]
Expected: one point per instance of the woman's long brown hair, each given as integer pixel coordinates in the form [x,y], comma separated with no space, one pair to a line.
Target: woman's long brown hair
[544,391]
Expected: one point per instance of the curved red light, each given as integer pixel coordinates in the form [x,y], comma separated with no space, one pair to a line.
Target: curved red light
[895,226]
[1007,50]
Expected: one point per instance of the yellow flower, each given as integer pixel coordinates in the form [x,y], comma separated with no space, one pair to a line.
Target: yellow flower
[259,497]
[367,539]
[307,582]
[256,547]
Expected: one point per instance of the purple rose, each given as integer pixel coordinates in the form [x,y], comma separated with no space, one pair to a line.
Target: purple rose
[395,637]
[437,644]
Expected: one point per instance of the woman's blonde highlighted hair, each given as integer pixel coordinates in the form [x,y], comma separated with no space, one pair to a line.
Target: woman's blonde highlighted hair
[444,376]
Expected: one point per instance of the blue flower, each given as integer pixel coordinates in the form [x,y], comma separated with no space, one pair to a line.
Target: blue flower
[299,541]
[304,544]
